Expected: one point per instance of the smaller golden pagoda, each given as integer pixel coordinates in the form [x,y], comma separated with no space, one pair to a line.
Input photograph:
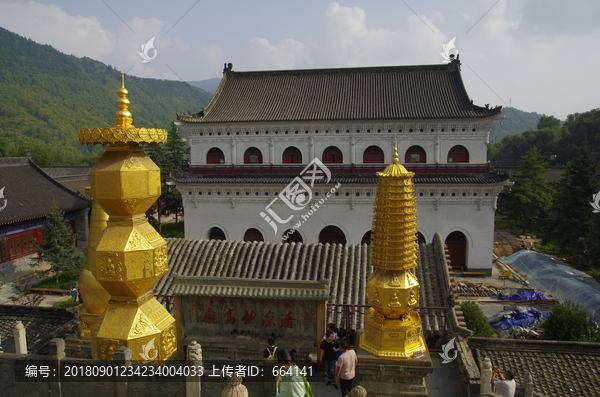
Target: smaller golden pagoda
[392,327]
[95,297]
[128,257]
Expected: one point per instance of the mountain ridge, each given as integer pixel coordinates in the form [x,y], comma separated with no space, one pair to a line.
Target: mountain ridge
[46,96]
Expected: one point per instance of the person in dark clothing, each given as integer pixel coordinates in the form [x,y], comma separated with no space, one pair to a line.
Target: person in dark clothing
[269,352]
[328,349]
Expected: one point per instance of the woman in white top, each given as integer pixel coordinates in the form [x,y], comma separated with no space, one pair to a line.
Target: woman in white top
[292,384]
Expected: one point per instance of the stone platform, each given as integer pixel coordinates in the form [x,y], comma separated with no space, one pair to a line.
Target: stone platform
[393,377]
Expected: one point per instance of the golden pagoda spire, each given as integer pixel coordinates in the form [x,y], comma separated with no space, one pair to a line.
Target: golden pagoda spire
[123,117]
[123,132]
[129,257]
[392,327]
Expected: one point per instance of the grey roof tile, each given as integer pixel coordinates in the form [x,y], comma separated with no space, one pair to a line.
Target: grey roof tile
[366,93]
[30,191]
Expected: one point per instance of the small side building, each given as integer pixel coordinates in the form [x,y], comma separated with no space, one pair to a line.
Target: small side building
[26,196]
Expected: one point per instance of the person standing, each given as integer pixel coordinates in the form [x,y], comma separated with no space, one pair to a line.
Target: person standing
[269,352]
[73,293]
[328,349]
[506,386]
[292,384]
[346,368]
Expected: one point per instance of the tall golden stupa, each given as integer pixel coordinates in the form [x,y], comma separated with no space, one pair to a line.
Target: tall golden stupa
[129,257]
[392,327]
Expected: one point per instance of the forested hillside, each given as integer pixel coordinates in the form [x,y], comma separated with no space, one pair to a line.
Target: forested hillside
[515,122]
[46,96]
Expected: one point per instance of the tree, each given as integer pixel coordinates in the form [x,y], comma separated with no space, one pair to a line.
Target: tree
[58,245]
[548,122]
[592,243]
[570,321]
[530,197]
[570,214]
[177,150]
[476,320]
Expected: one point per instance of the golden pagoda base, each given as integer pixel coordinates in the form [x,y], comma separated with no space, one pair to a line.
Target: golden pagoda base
[393,338]
[146,328]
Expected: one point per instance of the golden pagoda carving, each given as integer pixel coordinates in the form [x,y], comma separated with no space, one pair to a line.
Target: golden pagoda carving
[392,327]
[128,257]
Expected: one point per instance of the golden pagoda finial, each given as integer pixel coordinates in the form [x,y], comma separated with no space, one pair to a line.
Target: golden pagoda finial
[123,117]
[395,169]
[123,132]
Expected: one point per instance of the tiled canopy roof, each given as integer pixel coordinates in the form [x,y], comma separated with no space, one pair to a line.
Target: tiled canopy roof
[251,288]
[350,179]
[344,267]
[30,192]
[368,93]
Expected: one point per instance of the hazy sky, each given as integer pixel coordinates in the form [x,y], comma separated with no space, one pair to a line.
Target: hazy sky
[539,55]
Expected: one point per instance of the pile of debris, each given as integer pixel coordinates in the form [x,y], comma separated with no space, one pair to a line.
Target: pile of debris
[519,322]
[466,288]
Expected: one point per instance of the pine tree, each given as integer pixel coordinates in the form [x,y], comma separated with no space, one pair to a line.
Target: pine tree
[58,244]
[178,158]
[177,150]
[571,214]
[530,197]
[592,243]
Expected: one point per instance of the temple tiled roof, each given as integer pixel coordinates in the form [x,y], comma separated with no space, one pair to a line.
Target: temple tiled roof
[366,93]
[30,192]
[251,288]
[344,267]
[559,369]
[421,179]
[41,324]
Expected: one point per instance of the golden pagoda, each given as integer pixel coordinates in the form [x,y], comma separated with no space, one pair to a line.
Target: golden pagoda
[129,257]
[392,327]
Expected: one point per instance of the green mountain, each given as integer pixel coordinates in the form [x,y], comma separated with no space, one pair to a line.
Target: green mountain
[46,96]
[515,122]
[209,85]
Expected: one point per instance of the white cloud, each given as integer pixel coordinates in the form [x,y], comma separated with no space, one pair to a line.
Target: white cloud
[49,24]
[289,54]
[348,41]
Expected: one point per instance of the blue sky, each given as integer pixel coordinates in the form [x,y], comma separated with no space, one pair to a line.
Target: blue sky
[537,55]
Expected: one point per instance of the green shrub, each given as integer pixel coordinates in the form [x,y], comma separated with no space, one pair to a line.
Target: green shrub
[569,321]
[173,230]
[476,320]
[65,304]
[65,280]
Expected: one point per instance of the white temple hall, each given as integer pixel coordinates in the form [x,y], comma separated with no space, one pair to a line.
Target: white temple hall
[291,156]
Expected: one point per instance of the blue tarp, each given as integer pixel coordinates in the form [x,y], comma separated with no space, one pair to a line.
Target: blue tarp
[518,318]
[558,279]
[523,296]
